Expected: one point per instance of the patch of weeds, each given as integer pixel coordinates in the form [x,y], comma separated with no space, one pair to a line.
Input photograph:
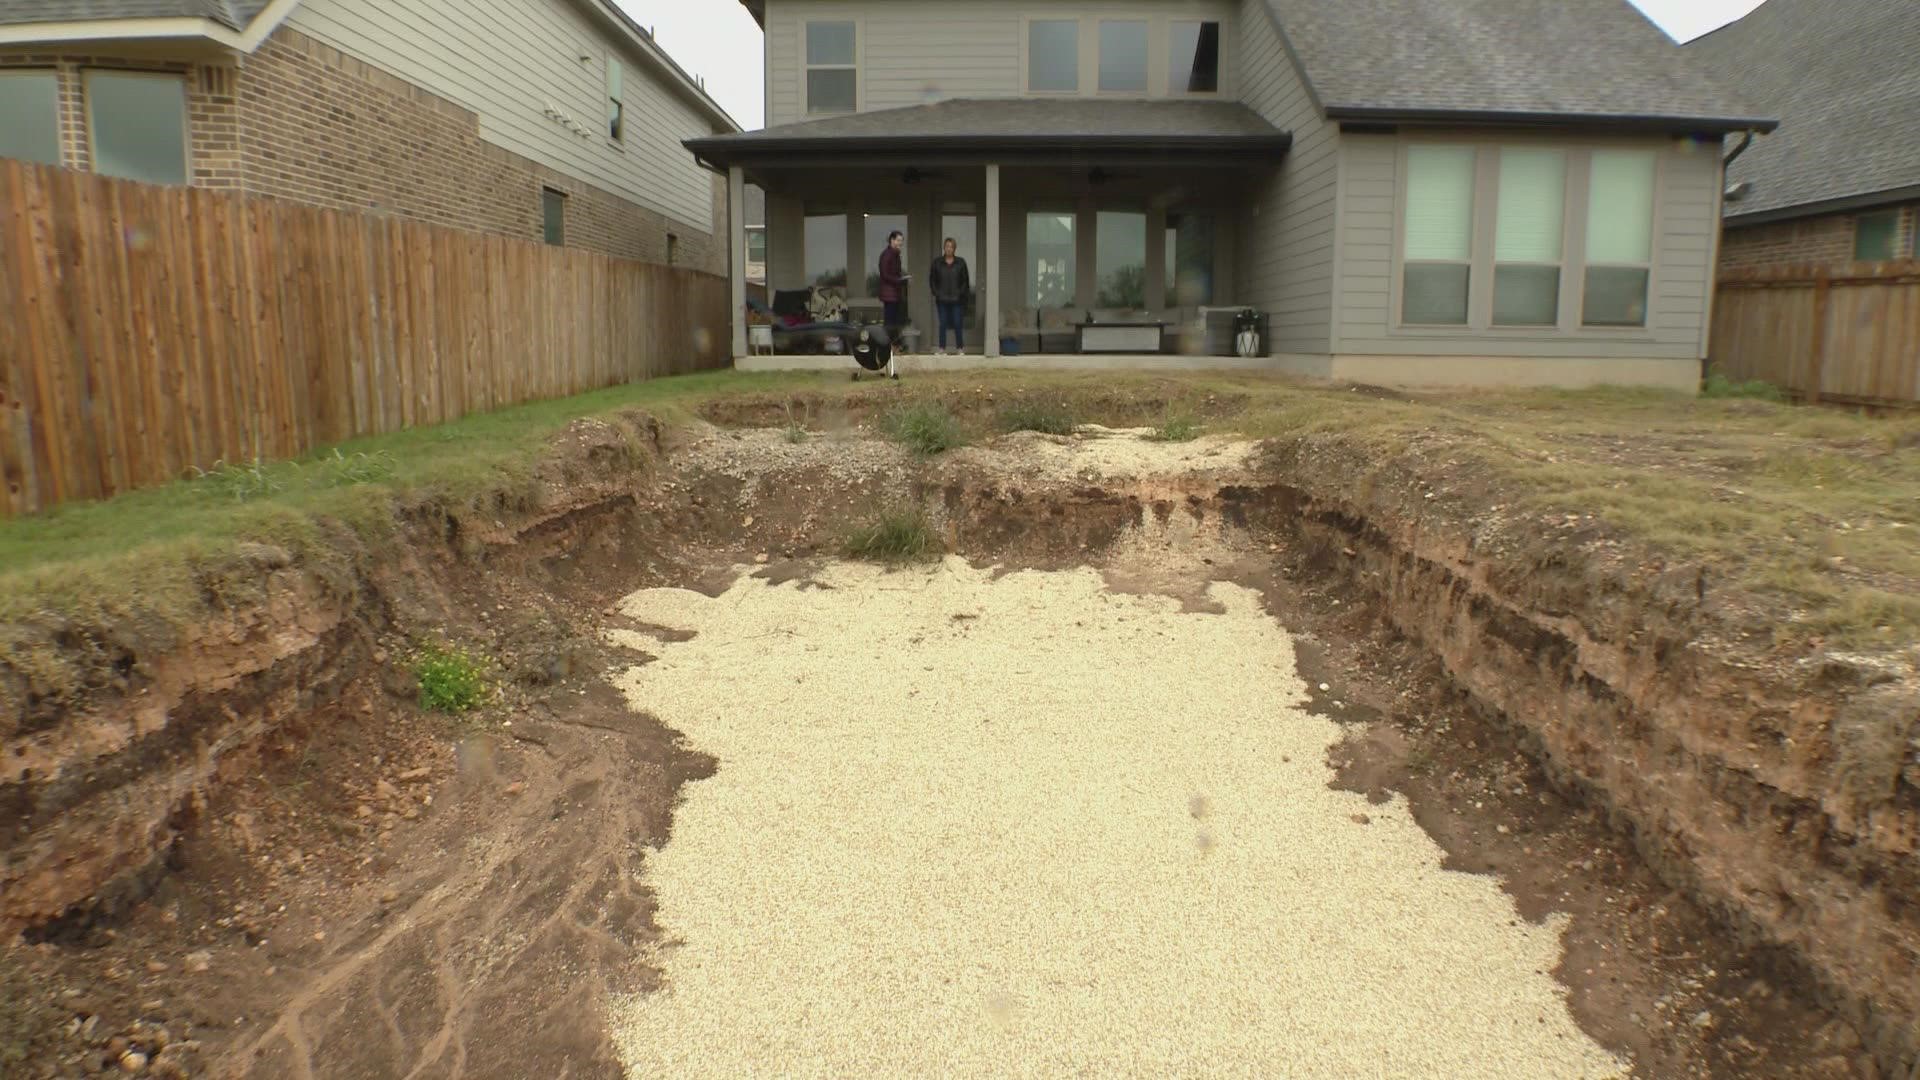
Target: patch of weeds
[451,679]
[345,470]
[1420,761]
[1718,385]
[796,432]
[244,482]
[927,428]
[896,535]
[1045,417]
[1176,428]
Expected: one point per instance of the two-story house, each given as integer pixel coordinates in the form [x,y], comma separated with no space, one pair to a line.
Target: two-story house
[1450,192]
[555,120]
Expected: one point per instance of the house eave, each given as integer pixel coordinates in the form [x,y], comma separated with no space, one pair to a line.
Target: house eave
[1871,200]
[1623,123]
[171,28]
[856,150]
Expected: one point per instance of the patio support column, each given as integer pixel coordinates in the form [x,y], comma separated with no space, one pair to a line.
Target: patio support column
[737,256]
[988,276]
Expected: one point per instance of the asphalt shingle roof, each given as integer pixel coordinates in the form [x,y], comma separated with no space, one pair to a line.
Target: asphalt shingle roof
[1575,58]
[231,13]
[1031,118]
[1845,80]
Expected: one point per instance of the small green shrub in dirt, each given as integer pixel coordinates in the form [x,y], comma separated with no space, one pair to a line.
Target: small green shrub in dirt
[897,535]
[927,428]
[1719,386]
[1046,417]
[244,482]
[796,432]
[1176,429]
[451,680]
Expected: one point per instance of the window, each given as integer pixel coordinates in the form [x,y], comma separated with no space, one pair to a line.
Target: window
[1876,237]
[824,249]
[757,245]
[1529,235]
[138,124]
[1619,238]
[1123,57]
[1439,235]
[1120,259]
[1193,63]
[964,230]
[832,77]
[553,216]
[673,250]
[616,109]
[879,227]
[1050,259]
[1189,260]
[30,124]
[1053,55]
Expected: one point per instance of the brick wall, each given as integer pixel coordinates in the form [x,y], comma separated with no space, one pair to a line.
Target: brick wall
[302,121]
[1825,239]
[322,127]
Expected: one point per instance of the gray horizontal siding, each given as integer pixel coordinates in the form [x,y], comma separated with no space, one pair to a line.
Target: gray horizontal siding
[919,53]
[1287,265]
[1683,269]
[506,61]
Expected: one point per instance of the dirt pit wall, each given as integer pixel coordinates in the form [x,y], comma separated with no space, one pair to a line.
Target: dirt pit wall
[1784,794]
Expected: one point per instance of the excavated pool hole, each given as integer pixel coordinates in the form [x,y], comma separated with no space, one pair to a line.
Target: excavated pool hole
[510,924]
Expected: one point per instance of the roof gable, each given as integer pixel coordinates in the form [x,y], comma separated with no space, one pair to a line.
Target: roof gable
[1532,60]
[1845,78]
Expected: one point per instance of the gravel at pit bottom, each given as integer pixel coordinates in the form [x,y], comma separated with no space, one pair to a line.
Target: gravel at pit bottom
[1030,827]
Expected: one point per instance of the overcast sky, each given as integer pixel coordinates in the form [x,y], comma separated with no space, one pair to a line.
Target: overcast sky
[717,40]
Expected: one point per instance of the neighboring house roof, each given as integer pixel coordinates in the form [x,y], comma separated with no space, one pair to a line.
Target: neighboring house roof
[1018,126]
[1476,61]
[233,14]
[243,24]
[1846,79]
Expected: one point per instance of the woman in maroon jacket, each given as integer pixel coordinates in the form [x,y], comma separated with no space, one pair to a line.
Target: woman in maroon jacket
[893,284]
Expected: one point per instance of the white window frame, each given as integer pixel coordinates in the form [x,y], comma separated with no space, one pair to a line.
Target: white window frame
[616,128]
[1573,282]
[1651,266]
[1220,62]
[1566,240]
[806,91]
[1100,49]
[1081,49]
[186,113]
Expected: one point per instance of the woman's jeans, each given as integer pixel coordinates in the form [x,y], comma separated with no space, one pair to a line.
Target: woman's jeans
[953,316]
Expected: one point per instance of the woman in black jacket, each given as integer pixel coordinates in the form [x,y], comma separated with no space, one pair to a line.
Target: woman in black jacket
[951,289]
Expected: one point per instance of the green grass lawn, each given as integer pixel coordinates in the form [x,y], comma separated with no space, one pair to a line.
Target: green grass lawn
[1816,506]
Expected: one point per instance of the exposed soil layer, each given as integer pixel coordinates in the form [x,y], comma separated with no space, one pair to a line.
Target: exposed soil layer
[1733,834]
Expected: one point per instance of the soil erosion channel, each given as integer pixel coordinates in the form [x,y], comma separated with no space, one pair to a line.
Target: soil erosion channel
[975,825]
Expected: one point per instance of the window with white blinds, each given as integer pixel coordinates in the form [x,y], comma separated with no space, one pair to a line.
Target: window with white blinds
[1619,238]
[1438,248]
[1529,237]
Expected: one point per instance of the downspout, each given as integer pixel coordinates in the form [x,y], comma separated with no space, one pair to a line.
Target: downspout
[1738,150]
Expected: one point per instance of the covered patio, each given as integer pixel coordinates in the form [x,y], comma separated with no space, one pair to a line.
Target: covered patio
[1088,225]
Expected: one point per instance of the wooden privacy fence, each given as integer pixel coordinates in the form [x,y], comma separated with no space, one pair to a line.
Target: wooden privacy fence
[146,331]
[1848,334]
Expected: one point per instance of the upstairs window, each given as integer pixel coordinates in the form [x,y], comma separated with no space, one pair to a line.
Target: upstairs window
[1876,237]
[138,125]
[1193,62]
[30,124]
[1123,57]
[833,75]
[1053,56]
[1439,235]
[1619,238]
[1529,238]
[616,107]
